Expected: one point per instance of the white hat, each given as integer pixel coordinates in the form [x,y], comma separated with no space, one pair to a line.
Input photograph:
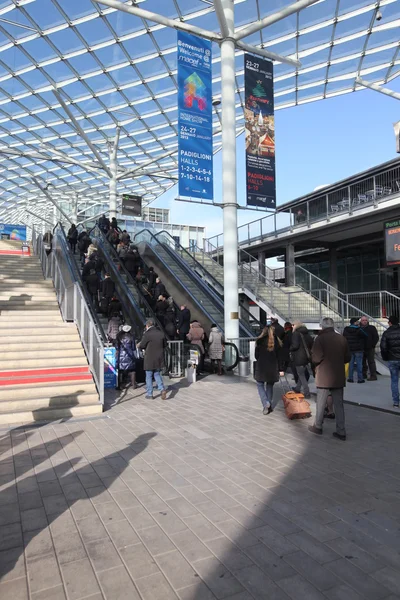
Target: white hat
[126,328]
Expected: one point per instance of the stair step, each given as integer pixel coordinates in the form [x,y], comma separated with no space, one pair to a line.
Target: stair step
[57,330]
[33,391]
[34,310]
[26,353]
[37,345]
[49,361]
[16,317]
[49,414]
[40,372]
[45,402]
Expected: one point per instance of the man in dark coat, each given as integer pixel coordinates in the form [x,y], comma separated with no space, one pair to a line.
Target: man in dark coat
[153,344]
[84,242]
[90,265]
[92,284]
[369,351]
[279,331]
[390,350]
[183,322]
[160,289]
[329,354]
[104,224]
[356,339]
[107,291]
[152,279]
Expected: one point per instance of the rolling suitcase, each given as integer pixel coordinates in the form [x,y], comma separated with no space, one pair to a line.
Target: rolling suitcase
[296,406]
[139,368]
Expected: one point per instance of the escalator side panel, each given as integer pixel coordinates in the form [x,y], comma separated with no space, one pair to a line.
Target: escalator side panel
[173,284]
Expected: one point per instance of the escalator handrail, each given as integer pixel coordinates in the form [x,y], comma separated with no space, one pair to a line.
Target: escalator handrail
[197,263]
[216,298]
[59,233]
[173,276]
[127,292]
[111,250]
[214,294]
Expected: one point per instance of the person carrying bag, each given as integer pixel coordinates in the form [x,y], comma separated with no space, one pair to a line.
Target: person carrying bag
[300,351]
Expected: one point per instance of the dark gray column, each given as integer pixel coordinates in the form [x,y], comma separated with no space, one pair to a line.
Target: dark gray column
[333,300]
[333,269]
[261,263]
[289,265]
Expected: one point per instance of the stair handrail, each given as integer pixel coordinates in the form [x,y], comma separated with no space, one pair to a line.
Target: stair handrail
[59,233]
[91,332]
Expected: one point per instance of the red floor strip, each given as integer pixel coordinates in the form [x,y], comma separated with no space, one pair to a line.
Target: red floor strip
[39,372]
[41,380]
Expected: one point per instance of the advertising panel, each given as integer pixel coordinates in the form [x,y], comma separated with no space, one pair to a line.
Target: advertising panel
[110,368]
[195,117]
[131,205]
[259,132]
[13,232]
[392,242]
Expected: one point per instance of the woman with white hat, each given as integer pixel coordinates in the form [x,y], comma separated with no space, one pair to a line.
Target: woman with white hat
[126,355]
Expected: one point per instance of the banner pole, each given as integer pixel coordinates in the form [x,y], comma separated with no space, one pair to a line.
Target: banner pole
[229,189]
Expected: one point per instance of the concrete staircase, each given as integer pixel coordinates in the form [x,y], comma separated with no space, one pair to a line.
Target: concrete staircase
[44,372]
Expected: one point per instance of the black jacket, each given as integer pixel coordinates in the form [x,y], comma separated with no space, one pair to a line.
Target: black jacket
[161,308]
[72,234]
[356,338]
[152,279]
[87,268]
[92,282]
[390,343]
[268,363]
[184,321]
[372,336]
[279,331]
[131,261]
[297,349]
[107,288]
[153,343]
[115,306]
[160,290]
[84,243]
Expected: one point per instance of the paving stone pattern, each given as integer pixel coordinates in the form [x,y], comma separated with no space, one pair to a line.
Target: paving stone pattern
[200,497]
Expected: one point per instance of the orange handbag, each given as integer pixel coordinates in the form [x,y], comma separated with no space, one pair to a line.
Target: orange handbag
[296,406]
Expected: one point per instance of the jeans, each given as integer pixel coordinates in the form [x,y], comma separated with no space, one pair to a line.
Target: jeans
[266,392]
[302,380]
[149,382]
[337,397]
[394,368]
[356,359]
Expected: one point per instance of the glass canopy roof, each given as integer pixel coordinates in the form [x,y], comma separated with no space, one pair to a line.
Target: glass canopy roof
[114,69]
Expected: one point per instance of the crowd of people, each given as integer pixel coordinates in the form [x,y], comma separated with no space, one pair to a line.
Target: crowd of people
[328,356]
[170,321]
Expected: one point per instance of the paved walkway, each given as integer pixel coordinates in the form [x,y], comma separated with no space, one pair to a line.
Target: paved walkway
[200,497]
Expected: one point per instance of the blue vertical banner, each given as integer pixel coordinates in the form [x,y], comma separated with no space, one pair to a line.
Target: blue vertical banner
[195,117]
[110,367]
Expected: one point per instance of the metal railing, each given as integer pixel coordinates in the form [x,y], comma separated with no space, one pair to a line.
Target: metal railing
[378,304]
[74,308]
[369,191]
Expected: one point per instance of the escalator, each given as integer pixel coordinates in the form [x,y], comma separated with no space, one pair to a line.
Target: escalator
[231,357]
[123,278]
[183,281]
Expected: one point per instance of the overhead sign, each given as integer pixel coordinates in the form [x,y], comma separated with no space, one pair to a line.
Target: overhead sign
[131,205]
[392,242]
[195,117]
[259,131]
[13,232]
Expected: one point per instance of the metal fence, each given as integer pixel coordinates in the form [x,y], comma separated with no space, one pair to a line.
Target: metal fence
[74,308]
[176,358]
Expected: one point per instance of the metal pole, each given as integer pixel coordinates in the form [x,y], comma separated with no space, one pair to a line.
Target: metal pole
[74,208]
[229,193]
[113,178]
